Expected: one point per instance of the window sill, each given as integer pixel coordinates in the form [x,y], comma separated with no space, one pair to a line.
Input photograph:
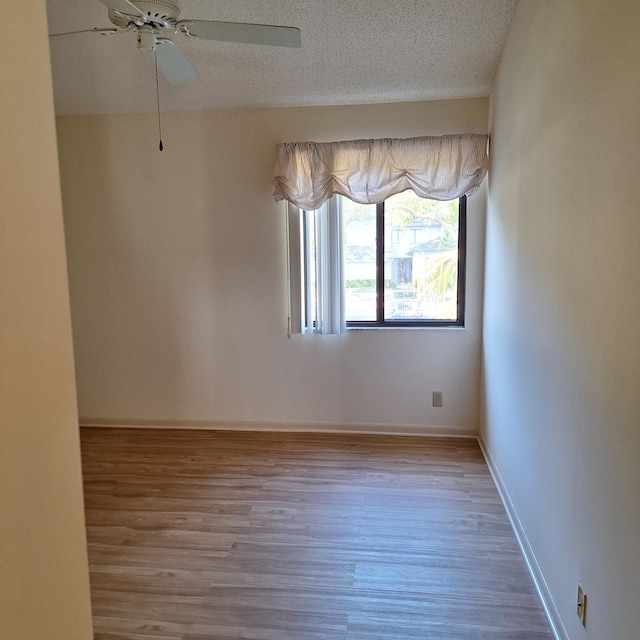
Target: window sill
[405,328]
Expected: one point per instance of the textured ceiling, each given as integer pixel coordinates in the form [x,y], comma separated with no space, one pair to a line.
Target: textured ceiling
[353,52]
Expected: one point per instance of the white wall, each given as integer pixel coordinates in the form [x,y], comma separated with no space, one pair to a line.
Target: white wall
[44,581]
[178,279]
[561,400]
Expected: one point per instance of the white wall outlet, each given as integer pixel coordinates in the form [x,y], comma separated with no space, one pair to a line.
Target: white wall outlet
[581,608]
[437,399]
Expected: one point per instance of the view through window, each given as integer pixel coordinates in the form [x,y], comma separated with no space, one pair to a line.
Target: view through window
[404,261]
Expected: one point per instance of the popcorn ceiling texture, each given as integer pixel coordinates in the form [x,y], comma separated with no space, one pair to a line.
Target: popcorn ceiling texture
[353,52]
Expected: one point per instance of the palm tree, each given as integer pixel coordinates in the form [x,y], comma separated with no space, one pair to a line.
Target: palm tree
[438,279]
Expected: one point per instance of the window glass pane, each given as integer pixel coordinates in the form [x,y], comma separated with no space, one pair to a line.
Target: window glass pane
[421,258]
[359,260]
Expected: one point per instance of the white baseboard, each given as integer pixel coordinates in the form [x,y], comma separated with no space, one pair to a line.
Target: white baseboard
[551,611]
[281,426]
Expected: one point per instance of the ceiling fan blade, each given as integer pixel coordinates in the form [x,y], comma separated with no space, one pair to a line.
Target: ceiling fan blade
[275,36]
[123,6]
[173,63]
[107,31]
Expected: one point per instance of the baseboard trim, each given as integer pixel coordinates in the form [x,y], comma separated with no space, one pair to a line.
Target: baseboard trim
[551,611]
[280,426]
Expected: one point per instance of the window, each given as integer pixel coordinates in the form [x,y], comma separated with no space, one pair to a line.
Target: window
[400,263]
[418,281]
[410,269]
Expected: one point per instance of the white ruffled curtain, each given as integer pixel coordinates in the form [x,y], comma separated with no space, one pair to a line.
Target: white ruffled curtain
[369,171]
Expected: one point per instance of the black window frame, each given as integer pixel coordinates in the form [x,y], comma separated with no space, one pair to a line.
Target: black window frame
[380,321]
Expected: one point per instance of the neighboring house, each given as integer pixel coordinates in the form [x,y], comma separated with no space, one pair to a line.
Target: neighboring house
[408,250]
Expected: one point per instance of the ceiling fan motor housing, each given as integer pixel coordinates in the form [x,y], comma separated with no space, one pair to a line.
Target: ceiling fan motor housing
[157,13]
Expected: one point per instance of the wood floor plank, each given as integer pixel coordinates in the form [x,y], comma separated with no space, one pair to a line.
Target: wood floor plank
[197,535]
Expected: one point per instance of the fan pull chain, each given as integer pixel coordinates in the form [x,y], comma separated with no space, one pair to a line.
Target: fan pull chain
[155,55]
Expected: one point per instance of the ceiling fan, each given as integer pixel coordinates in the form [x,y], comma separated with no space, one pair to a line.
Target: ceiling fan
[154,20]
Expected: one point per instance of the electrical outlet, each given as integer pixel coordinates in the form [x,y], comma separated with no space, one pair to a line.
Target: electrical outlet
[437,399]
[581,607]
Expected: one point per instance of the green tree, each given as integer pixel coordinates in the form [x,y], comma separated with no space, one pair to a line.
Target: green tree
[438,280]
[406,208]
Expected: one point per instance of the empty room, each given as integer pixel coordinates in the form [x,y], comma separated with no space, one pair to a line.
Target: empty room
[319,320]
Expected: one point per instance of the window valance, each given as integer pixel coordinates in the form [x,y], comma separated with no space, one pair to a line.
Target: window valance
[369,171]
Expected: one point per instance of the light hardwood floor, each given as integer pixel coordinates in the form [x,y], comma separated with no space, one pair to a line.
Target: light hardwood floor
[200,535]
